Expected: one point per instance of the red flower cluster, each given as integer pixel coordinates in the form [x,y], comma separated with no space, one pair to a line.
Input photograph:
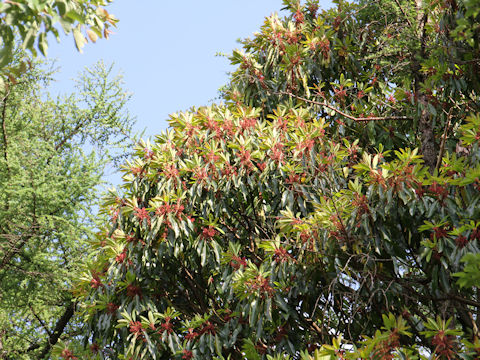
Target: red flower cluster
[208,328]
[200,174]
[261,166]
[361,203]
[134,290]
[261,284]
[281,124]
[167,326]
[187,354]
[306,146]
[293,178]
[211,157]
[325,48]
[443,345]
[475,234]
[208,232]
[299,17]
[95,283]
[247,123]
[277,154]
[94,348]
[340,94]
[142,214]
[385,348]
[244,156]
[170,171]
[191,334]
[147,154]
[281,255]
[461,241]
[229,171]
[439,232]
[133,239]
[440,191]
[237,262]
[120,258]
[165,209]
[68,355]
[138,171]
[136,328]
[112,308]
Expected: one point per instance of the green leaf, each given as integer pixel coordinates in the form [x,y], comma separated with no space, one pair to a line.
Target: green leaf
[42,43]
[80,40]
[74,15]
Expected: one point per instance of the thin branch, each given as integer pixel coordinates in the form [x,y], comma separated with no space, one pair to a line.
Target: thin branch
[40,321]
[462,300]
[404,13]
[69,136]
[359,119]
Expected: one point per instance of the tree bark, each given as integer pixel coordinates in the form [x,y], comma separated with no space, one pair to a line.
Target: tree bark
[425,126]
[425,122]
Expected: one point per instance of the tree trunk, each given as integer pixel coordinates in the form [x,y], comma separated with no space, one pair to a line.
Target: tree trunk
[425,122]
[425,126]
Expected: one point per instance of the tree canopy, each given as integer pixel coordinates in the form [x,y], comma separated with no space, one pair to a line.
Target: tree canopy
[328,209]
[53,156]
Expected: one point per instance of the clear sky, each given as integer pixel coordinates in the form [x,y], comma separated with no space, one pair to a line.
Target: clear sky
[166,52]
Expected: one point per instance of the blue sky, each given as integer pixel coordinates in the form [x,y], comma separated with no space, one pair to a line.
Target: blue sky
[166,52]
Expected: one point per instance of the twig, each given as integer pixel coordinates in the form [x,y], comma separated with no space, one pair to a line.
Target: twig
[40,321]
[404,13]
[359,119]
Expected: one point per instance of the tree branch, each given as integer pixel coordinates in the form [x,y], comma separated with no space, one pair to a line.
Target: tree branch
[69,136]
[40,321]
[5,141]
[17,247]
[59,328]
[359,119]
[404,13]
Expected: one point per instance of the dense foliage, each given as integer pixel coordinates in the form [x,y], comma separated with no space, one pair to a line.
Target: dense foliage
[53,153]
[33,20]
[299,217]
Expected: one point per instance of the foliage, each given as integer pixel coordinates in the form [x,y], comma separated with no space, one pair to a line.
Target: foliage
[323,212]
[53,154]
[34,20]
[411,76]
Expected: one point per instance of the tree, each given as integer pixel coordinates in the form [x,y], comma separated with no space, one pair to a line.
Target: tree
[33,21]
[53,157]
[299,217]
[422,58]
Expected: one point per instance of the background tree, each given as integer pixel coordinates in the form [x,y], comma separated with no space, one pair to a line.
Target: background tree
[299,216]
[33,21]
[54,153]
